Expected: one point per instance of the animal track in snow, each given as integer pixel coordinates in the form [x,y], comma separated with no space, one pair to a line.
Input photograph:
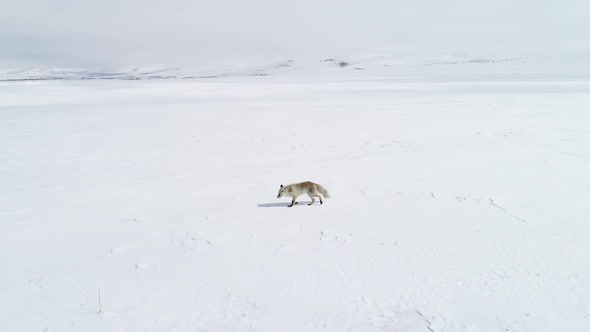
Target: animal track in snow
[470,199]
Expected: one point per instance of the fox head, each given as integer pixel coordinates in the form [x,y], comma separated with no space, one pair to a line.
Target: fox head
[281,191]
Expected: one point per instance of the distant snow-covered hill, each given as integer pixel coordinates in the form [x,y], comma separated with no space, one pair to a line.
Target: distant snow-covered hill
[373,65]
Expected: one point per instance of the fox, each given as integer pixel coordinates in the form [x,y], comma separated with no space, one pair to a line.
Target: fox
[312,190]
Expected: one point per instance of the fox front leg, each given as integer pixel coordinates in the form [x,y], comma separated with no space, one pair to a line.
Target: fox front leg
[293,202]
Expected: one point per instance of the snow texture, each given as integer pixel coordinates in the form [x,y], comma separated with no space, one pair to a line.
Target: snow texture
[457,204]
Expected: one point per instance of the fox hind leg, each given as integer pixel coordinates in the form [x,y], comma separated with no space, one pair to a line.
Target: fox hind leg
[313,195]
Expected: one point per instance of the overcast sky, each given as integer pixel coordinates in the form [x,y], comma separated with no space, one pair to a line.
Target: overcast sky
[108,33]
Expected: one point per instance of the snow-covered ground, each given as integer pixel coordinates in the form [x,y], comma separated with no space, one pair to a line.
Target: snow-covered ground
[457,205]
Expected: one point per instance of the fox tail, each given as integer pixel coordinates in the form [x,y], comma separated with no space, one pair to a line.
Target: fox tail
[323,191]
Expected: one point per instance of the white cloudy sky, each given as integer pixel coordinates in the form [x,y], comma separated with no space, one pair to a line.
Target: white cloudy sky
[93,33]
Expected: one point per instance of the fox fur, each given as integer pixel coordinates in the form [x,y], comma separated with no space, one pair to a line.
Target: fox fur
[312,190]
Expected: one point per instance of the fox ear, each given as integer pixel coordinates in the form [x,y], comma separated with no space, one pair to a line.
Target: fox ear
[281,186]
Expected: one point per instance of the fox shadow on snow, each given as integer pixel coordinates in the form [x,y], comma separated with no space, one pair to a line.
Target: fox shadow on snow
[283,204]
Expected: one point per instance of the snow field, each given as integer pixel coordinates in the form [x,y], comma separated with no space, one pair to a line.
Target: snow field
[456,206]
